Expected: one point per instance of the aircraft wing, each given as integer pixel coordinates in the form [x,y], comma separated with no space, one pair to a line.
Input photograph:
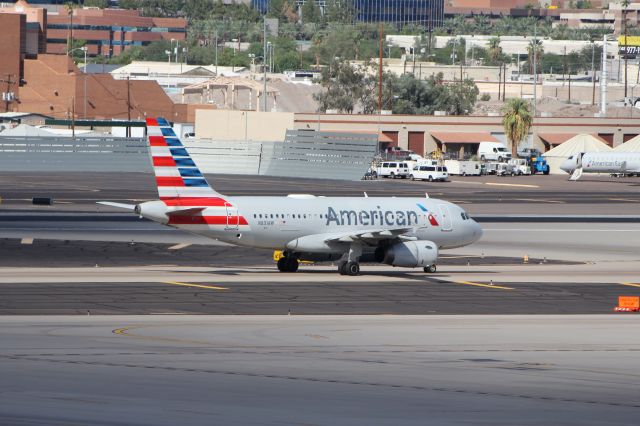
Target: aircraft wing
[369,235]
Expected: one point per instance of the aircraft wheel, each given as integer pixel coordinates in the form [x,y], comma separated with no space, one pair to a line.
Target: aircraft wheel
[341,268]
[352,268]
[430,269]
[282,264]
[292,264]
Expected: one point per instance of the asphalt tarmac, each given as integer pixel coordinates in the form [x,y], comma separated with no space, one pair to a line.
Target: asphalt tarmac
[320,370]
[479,194]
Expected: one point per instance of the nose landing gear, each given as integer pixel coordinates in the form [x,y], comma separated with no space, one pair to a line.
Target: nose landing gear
[430,269]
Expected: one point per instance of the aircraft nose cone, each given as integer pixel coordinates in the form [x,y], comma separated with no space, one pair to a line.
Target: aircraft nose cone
[477,231]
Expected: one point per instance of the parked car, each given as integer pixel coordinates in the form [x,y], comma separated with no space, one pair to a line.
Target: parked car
[430,173]
[393,169]
[493,151]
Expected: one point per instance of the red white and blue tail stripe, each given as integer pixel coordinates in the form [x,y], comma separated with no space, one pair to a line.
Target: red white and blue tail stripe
[181,185]
[177,175]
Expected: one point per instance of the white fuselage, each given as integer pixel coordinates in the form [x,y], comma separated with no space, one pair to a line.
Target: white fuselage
[603,162]
[281,222]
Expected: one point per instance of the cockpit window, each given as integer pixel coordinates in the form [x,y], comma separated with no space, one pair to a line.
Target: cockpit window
[464,216]
[570,158]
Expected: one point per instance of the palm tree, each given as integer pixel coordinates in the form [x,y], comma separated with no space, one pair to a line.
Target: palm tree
[516,120]
[539,51]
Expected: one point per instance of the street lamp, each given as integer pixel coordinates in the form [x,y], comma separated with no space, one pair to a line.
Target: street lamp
[168,53]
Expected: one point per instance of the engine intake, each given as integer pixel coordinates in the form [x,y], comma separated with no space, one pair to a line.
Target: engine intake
[409,254]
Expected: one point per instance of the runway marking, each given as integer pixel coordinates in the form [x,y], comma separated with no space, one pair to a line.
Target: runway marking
[522,185]
[210,287]
[483,285]
[179,246]
[624,199]
[631,284]
[26,241]
[537,200]
[467,182]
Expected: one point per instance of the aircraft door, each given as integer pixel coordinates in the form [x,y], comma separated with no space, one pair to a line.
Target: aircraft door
[446,223]
[232,216]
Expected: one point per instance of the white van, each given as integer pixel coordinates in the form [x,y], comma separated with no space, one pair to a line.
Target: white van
[493,151]
[430,173]
[393,169]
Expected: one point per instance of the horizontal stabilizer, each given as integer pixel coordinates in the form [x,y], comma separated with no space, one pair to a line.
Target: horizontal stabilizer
[118,205]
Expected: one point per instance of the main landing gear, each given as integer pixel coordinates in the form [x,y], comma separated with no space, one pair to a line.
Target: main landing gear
[287,264]
[349,268]
[430,269]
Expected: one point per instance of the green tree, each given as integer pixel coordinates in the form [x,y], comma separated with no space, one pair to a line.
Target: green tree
[517,121]
[311,12]
[102,4]
[339,11]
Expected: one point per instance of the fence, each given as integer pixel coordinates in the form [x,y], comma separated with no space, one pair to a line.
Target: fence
[305,154]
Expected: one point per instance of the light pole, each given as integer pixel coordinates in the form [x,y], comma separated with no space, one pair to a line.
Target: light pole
[593,72]
[603,78]
[233,63]
[168,53]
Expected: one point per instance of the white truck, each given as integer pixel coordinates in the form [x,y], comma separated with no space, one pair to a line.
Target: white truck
[493,151]
[463,168]
[520,166]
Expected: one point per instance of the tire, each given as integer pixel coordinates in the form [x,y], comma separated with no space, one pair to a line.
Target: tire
[411,177]
[374,175]
[546,171]
[500,159]
[464,174]
[352,268]
[482,157]
[392,175]
[292,264]
[430,269]
[342,268]
[430,178]
[282,264]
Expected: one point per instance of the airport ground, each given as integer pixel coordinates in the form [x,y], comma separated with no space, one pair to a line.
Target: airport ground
[162,327]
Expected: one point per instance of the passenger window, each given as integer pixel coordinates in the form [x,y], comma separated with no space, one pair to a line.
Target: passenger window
[271,216]
[260,216]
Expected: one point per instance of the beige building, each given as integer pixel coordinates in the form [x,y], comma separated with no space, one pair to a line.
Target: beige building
[419,133]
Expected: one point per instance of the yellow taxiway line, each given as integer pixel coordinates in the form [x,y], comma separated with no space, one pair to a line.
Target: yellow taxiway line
[210,287]
[483,285]
[538,200]
[631,284]
[521,185]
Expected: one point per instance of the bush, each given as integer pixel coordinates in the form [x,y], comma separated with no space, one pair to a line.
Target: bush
[485,97]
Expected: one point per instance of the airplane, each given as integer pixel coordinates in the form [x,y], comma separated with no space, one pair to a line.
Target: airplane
[404,232]
[601,162]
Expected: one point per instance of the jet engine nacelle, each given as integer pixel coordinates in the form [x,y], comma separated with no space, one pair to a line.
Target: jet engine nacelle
[153,210]
[409,254]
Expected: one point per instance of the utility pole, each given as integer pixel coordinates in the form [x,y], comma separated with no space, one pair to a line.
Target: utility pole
[70,43]
[499,80]
[217,53]
[504,86]
[380,69]
[603,79]
[8,96]
[569,96]
[535,67]
[593,72]
[264,65]
[625,4]
[128,108]
[73,117]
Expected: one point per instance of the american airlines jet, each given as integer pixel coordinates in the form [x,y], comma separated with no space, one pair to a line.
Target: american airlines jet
[407,232]
[601,162]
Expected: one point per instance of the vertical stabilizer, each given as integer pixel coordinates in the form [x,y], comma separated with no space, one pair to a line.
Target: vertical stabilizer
[177,175]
